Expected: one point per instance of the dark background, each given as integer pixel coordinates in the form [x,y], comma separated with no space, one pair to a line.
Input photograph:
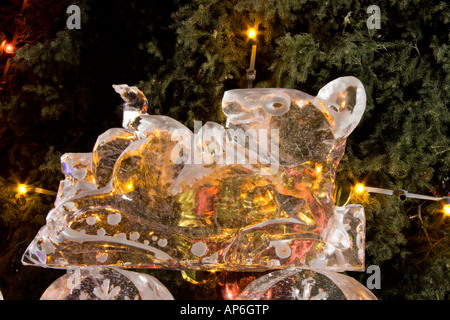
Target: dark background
[57,98]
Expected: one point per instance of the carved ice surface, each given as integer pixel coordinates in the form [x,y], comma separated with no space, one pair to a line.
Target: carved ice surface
[103,283]
[256,195]
[299,284]
[77,169]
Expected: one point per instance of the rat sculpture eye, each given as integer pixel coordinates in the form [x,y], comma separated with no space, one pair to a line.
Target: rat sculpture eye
[277,104]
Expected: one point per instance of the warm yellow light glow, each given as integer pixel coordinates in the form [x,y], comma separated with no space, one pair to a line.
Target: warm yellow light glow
[447,209]
[318,168]
[305,219]
[22,189]
[129,186]
[260,200]
[251,33]
[9,48]
[359,188]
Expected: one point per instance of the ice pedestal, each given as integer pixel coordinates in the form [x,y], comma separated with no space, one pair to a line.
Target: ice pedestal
[301,284]
[99,283]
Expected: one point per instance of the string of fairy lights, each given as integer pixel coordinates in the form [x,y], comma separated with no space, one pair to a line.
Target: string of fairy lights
[402,195]
[358,188]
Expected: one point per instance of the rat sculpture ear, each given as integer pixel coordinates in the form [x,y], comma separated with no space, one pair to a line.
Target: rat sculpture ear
[345,101]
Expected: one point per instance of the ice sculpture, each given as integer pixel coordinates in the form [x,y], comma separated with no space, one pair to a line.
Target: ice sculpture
[104,283]
[300,284]
[255,195]
[77,169]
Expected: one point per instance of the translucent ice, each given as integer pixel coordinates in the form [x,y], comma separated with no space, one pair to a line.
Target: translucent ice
[255,195]
[299,284]
[77,169]
[102,283]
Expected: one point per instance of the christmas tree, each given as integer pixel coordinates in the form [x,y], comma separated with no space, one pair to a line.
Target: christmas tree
[56,98]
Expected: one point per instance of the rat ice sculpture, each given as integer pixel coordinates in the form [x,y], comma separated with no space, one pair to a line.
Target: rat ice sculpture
[255,195]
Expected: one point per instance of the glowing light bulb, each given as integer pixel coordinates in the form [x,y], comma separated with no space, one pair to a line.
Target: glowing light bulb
[251,33]
[319,168]
[22,189]
[359,188]
[447,209]
[9,48]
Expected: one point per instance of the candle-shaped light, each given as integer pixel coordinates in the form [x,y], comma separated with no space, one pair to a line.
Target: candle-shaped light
[24,189]
[251,72]
[251,33]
